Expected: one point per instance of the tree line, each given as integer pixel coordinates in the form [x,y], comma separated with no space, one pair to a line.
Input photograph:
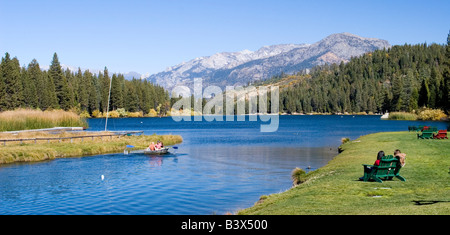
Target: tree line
[401,78]
[56,88]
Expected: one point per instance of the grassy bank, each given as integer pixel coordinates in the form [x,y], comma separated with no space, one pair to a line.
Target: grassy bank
[27,119]
[29,151]
[335,189]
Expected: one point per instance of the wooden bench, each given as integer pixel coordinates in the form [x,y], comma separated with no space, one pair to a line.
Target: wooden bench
[429,128]
[426,135]
[442,134]
[388,169]
[413,128]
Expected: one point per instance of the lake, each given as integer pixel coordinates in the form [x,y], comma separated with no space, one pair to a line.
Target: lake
[220,167]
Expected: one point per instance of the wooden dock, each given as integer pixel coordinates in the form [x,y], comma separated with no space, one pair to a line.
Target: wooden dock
[71,138]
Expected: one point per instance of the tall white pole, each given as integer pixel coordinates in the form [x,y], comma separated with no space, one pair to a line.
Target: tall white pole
[109,96]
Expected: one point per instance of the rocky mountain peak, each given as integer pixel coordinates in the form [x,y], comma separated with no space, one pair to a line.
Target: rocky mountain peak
[240,68]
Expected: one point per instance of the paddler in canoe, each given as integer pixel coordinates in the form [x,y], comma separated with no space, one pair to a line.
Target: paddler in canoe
[156,149]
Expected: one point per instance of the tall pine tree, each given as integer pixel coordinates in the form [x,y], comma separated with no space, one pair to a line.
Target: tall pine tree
[61,87]
[11,95]
[104,90]
[446,76]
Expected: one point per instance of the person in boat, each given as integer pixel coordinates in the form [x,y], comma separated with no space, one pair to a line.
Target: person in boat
[158,145]
[152,146]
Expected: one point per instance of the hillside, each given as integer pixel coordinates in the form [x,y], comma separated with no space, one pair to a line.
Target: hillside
[401,78]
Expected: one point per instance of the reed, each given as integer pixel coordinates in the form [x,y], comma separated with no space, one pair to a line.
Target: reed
[402,116]
[27,119]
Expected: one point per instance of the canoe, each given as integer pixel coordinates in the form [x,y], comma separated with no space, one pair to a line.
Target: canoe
[157,152]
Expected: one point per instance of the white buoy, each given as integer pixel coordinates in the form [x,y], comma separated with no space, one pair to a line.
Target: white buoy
[103,177]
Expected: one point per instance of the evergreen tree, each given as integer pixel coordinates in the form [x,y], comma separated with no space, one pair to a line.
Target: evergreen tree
[11,95]
[91,88]
[69,89]
[445,101]
[104,82]
[117,91]
[131,98]
[424,94]
[82,89]
[30,78]
[61,86]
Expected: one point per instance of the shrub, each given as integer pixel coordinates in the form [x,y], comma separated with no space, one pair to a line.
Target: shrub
[135,114]
[152,113]
[114,114]
[431,115]
[298,176]
[345,140]
[85,114]
[96,113]
[122,112]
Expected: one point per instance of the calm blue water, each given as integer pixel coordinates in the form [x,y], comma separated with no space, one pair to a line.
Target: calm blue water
[220,167]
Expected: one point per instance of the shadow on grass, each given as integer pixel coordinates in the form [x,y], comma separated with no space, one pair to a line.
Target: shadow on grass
[425,202]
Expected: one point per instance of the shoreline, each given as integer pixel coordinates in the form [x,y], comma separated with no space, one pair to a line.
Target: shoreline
[335,189]
[49,150]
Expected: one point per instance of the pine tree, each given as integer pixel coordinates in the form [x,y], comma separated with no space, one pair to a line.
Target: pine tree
[131,97]
[446,78]
[69,89]
[117,91]
[59,80]
[104,81]
[397,91]
[424,94]
[11,95]
[29,87]
[82,90]
[91,88]
[51,100]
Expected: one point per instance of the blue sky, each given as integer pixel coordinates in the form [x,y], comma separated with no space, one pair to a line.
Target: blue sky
[149,36]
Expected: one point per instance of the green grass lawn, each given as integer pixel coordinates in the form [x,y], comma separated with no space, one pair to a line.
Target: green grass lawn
[335,188]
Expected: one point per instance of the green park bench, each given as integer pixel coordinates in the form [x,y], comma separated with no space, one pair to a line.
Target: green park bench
[426,135]
[413,128]
[388,169]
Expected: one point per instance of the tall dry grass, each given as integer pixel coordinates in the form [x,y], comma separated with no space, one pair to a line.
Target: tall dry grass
[402,116]
[27,119]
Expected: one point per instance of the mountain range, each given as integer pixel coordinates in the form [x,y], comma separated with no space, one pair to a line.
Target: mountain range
[244,67]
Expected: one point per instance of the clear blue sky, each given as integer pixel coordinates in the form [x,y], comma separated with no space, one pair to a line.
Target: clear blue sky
[148,36]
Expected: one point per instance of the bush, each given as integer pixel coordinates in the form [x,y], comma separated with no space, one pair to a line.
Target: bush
[122,112]
[135,114]
[96,113]
[432,115]
[345,140]
[152,113]
[85,114]
[114,114]
[298,176]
